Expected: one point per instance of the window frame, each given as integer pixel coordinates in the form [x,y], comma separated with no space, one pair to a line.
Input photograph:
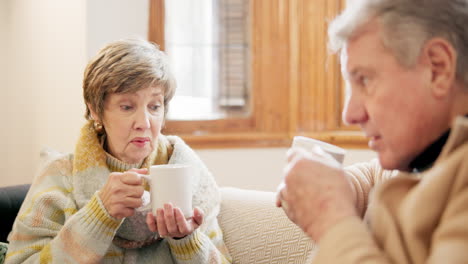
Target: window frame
[290,66]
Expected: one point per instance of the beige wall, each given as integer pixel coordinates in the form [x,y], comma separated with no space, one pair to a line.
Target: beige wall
[51,41]
[46,59]
[109,20]
[4,6]
[259,169]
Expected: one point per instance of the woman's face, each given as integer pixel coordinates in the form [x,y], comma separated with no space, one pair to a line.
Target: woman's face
[133,122]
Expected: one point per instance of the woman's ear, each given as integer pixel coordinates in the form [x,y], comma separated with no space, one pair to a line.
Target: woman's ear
[442,59]
[94,116]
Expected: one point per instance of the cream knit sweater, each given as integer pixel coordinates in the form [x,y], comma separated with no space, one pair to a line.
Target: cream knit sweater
[62,219]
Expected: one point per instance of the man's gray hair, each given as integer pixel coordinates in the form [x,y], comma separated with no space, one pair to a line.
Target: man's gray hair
[407,25]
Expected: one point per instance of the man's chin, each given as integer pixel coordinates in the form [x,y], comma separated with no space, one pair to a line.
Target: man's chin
[391,163]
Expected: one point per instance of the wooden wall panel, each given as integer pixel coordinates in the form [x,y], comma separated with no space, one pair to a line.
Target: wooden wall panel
[296,84]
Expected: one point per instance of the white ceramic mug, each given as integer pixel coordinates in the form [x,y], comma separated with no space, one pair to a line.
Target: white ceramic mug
[171,183]
[309,144]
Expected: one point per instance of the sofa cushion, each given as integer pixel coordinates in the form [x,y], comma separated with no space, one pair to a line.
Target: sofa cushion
[256,231]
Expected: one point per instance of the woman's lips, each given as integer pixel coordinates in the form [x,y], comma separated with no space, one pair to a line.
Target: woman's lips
[140,142]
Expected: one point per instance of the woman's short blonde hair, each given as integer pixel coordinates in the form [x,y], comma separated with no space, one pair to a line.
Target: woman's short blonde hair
[126,66]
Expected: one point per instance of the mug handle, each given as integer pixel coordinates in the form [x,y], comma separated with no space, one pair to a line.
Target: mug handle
[146,195]
[145,176]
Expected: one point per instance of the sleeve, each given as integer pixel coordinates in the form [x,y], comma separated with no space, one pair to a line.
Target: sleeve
[350,241]
[201,246]
[450,239]
[206,244]
[50,228]
[364,177]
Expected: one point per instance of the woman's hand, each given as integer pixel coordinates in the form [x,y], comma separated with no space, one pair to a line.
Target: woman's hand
[317,192]
[170,222]
[122,193]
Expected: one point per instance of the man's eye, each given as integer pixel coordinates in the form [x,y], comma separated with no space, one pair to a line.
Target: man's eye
[126,107]
[363,80]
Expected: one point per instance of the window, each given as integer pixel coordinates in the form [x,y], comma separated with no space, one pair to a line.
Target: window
[295,84]
[207,43]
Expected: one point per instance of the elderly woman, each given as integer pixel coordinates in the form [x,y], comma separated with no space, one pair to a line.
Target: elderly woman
[88,207]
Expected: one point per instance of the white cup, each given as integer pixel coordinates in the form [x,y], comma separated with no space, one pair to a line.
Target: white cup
[308,144]
[171,183]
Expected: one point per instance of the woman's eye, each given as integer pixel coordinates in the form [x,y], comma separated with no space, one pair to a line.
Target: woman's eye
[126,107]
[154,107]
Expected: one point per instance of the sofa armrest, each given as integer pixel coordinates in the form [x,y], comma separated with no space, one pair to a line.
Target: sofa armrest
[256,231]
[11,199]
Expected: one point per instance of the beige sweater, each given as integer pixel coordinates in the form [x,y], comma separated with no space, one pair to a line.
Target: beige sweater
[411,218]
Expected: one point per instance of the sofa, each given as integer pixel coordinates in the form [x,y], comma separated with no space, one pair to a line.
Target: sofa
[255,231]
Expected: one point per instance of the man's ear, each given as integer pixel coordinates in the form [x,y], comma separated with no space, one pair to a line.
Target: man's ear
[442,60]
[94,116]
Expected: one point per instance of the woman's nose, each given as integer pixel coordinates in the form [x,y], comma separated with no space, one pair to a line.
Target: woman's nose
[142,120]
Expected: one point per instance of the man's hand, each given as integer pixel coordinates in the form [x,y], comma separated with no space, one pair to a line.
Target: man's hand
[316,191]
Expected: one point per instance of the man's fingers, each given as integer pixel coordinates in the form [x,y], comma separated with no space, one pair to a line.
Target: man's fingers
[281,186]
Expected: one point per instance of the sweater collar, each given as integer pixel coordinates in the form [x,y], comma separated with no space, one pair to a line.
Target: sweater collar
[89,152]
[113,163]
[116,165]
[427,158]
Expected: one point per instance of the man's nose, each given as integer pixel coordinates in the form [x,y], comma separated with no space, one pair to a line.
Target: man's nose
[354,112]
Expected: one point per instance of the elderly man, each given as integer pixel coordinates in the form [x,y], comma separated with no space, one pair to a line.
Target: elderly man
[405,63]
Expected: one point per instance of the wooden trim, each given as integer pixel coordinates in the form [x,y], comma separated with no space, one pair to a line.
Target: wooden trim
[296,84]
[345,139]
[156,22]
[208,127]
[269,59]
[239,140]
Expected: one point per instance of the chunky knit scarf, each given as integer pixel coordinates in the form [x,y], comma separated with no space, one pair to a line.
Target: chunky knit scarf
[90,172]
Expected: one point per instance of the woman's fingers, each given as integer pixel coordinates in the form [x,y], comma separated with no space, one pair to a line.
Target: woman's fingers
[140,171]
[161,223]
[171,222]
[131,178]
[169,217]
[151,222]
[132,202]
[121,194]
[198,216]
[182,224]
